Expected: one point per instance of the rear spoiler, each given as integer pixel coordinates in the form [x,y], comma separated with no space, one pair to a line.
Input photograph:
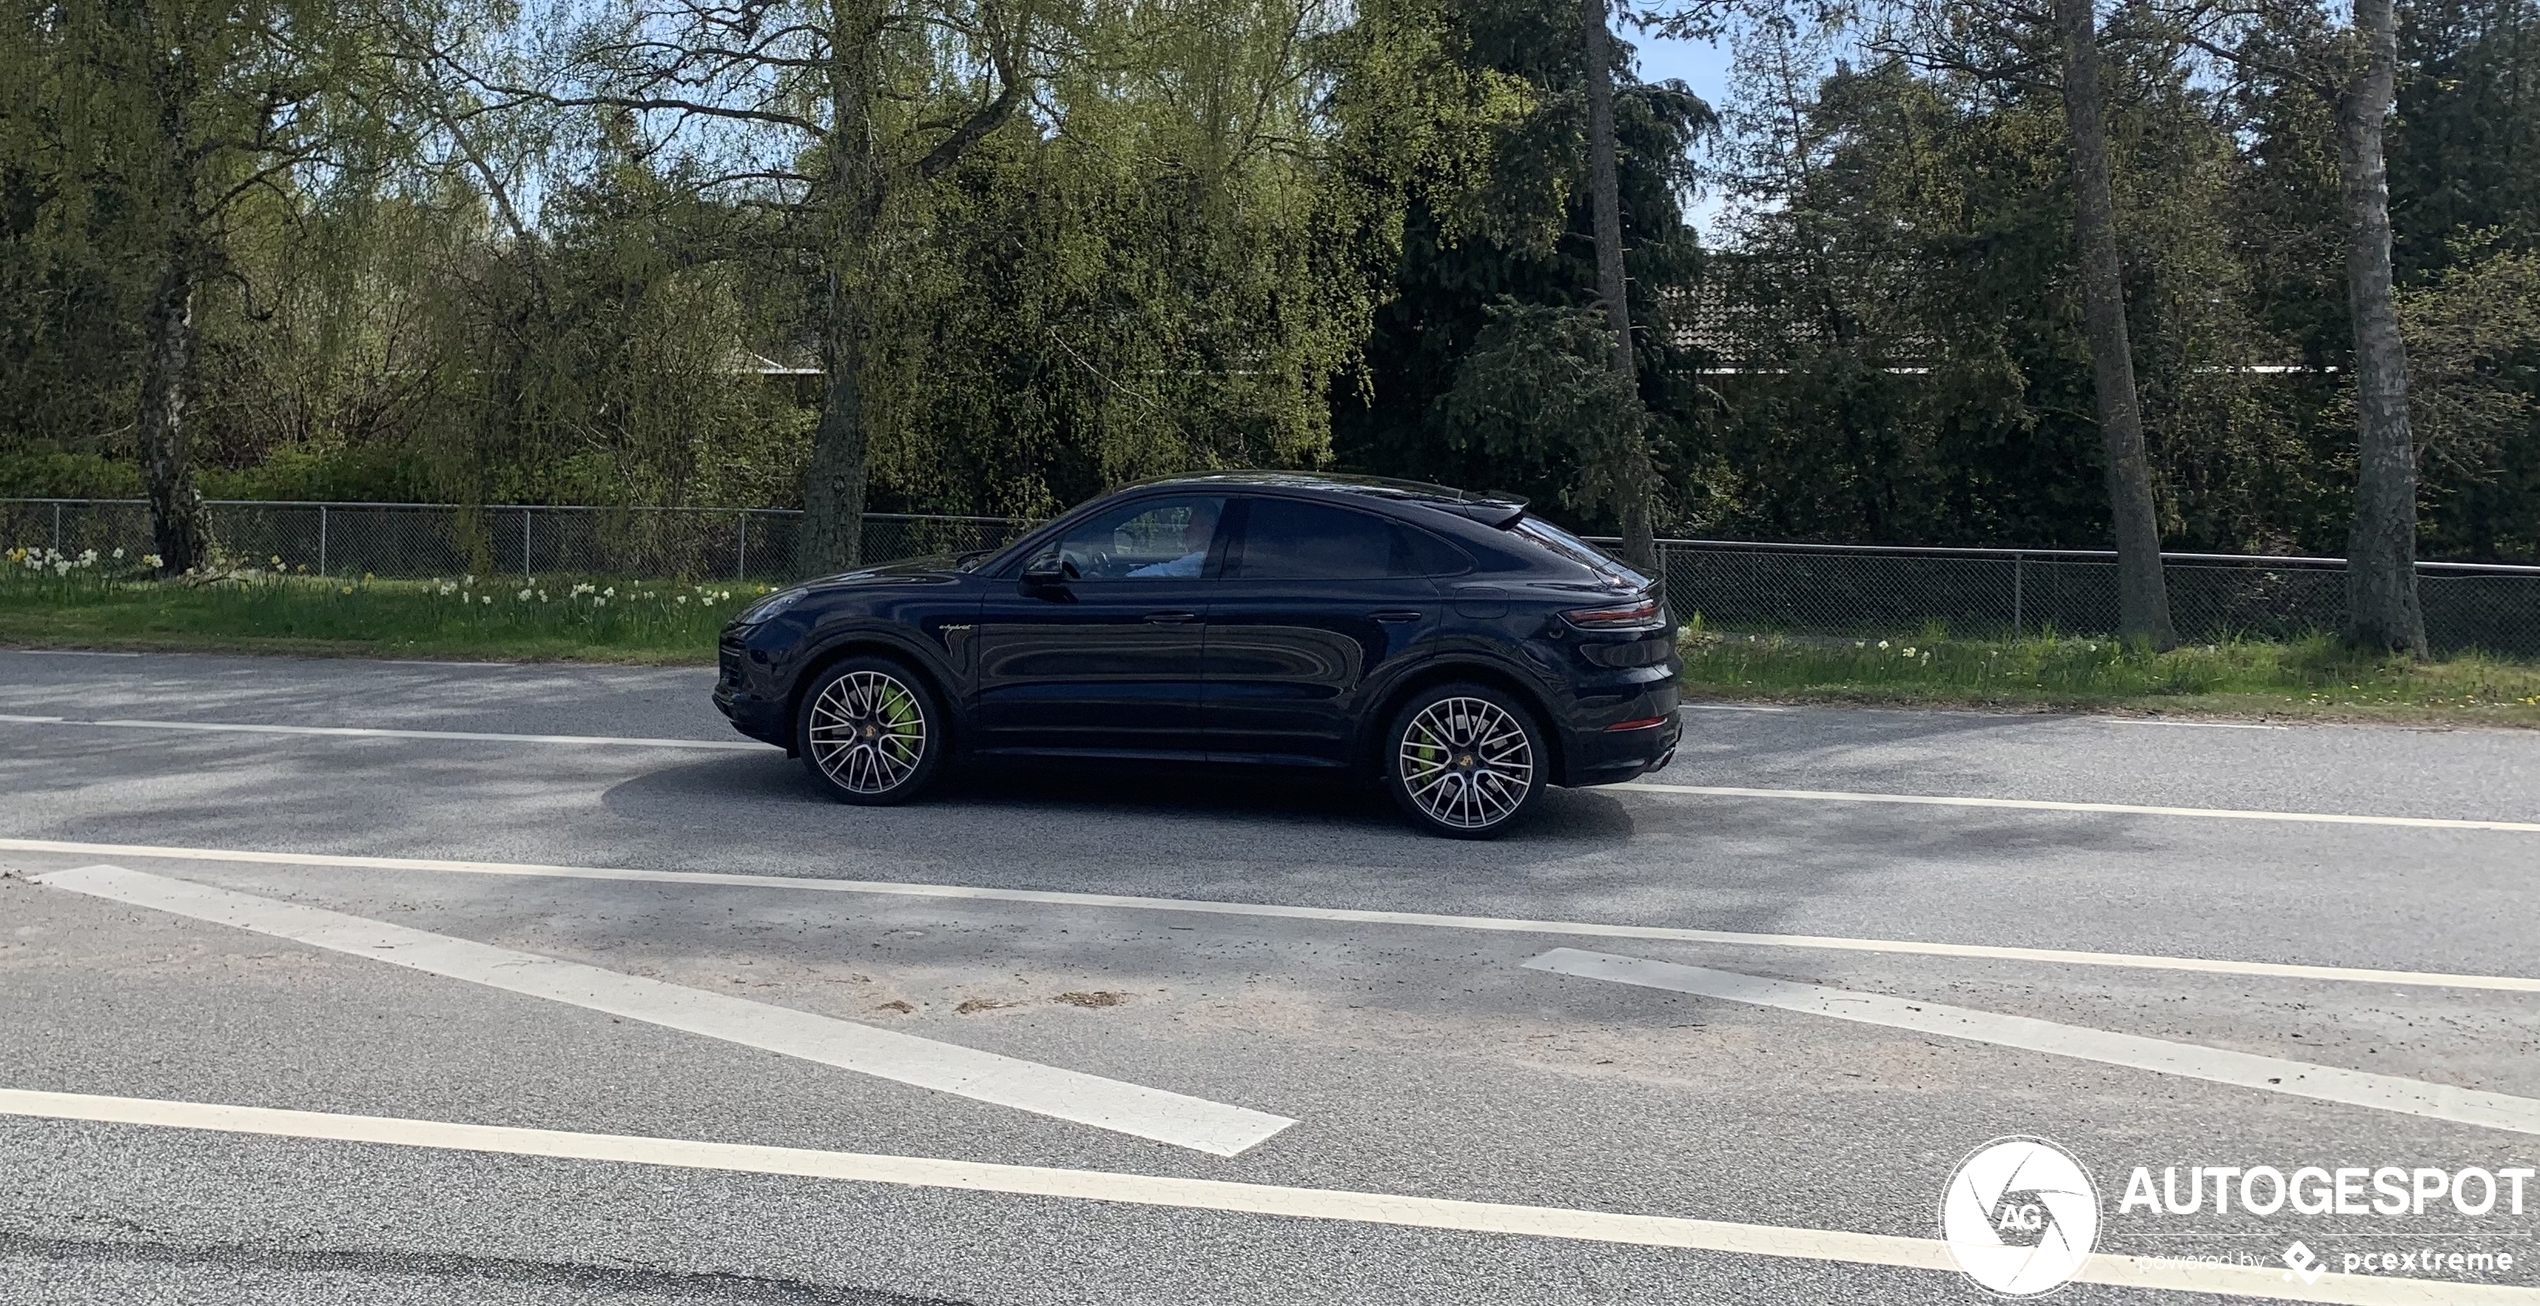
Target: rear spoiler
[1499,514]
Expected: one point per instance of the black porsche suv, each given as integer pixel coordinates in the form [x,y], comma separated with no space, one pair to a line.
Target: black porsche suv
[1447,645]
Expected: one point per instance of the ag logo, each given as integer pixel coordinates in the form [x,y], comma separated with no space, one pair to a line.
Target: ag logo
[2020,1216]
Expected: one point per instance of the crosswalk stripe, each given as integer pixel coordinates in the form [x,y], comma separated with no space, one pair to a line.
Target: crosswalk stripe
[1133,1109]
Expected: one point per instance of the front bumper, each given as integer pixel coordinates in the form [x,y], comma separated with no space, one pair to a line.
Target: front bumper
[759,715]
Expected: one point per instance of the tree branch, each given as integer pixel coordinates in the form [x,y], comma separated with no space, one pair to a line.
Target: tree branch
[987,119]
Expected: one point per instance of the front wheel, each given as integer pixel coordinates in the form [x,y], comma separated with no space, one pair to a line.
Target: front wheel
[1463,760]
[871,732]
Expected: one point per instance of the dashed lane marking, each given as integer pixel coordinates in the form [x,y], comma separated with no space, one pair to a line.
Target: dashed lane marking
[2045,805]
[1388,1209]
[2191,725]
[1349,915]
[2416,1097]
[370,732]
[1133,1109]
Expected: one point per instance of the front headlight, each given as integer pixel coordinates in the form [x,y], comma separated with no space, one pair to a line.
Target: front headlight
[760,612]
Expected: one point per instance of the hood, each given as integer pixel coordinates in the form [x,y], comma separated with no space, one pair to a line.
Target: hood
[934,567]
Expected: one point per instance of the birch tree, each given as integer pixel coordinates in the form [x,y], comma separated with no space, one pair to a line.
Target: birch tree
[179,115]
[2354,69]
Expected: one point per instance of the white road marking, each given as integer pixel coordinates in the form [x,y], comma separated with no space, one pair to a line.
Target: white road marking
[2416,1097]
[2196,725]
[68,653]
[1731,707]
[2043,805]
[945,1067]
[1350,915]
[365,732]
[1390,1209]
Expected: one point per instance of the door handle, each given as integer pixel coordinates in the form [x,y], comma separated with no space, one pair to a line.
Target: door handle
[1396,616]
[1172,618]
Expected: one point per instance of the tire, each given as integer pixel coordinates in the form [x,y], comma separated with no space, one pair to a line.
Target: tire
[1464,760]
[871,732]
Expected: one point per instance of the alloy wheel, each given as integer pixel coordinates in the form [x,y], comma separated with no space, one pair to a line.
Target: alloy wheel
[1466,762]
[868,732]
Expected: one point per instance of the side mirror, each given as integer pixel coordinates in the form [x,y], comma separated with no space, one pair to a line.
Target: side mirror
[1047,569]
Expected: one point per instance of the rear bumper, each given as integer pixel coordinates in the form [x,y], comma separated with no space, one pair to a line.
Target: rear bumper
[1600,756]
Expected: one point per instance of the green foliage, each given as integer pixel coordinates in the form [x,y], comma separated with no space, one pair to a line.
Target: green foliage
[1537,390]
[1170,280]
[1499,234]
[2473,334]
[62,474]
[1231,232]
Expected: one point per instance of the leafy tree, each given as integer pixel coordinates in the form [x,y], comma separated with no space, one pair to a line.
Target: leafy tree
[1507,223]
[184,117]
[2060,45]
[2355,69]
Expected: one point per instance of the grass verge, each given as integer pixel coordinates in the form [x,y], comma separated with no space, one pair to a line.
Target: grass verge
[2311,678]
[89,606]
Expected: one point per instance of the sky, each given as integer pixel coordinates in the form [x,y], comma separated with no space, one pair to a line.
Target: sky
[1704,67]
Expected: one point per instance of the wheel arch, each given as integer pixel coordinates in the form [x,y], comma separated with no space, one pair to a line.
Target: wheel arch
[869,643]
[1452,670]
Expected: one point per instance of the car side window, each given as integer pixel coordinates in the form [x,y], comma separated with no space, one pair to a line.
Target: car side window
[1289,539]
[1152,539]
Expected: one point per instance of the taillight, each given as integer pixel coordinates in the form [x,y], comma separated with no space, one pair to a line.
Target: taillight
[1625,617]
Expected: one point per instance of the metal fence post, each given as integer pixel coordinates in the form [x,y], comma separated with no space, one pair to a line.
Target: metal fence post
[321,539]
[2019,568]
[741,569]
[526,514]
[57,528]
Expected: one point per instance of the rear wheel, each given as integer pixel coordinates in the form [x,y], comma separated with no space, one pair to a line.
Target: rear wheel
[871,731]
[1464,760]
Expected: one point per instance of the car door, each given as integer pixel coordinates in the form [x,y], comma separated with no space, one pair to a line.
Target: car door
[1105,659]
[1321,605]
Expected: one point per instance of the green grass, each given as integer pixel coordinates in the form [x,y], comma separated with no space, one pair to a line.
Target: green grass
[2315,677]
[107,603]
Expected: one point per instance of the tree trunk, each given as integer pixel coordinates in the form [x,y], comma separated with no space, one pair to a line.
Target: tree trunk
[177,524]
[834,482]
[1636,478]
[2382,611]
[2143,601]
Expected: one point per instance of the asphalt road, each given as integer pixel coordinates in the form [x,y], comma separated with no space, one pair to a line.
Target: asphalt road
[1316,961]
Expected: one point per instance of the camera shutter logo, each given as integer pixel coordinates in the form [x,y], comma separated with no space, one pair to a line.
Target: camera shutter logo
[2020,1216]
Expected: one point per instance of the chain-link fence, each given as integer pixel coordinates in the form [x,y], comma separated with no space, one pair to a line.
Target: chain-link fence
[1815,589]
[1853,590]
[418,540]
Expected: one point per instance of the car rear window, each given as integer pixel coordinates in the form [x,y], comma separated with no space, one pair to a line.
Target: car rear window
[1563,544]
[1289,539]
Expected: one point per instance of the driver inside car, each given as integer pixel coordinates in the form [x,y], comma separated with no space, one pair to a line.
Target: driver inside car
[1196,534]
